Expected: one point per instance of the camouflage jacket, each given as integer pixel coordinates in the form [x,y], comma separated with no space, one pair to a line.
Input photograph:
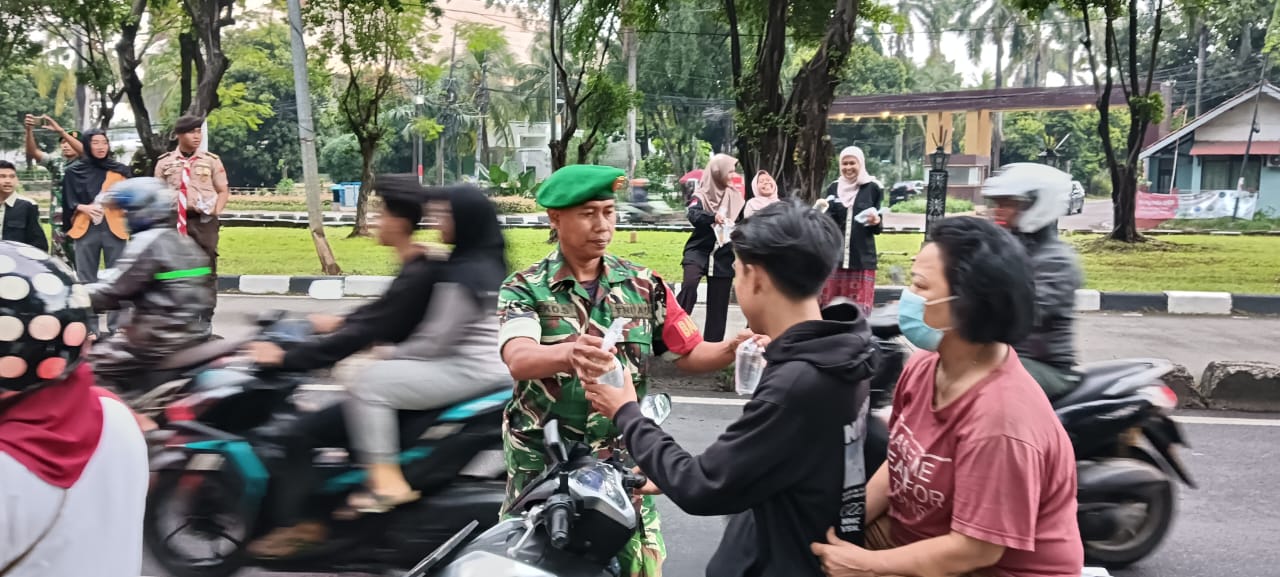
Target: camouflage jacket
[547,304]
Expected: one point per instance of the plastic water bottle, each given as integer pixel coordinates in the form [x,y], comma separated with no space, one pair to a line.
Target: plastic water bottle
[747,367]
[614,377]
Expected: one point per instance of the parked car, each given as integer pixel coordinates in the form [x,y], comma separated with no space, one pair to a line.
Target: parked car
[1075,205]
[905,191]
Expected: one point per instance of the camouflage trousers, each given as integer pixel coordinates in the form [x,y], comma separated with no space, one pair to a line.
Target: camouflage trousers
[643,555]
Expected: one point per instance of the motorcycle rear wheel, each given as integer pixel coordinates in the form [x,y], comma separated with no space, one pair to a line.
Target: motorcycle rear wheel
[211,494]
[1156,521]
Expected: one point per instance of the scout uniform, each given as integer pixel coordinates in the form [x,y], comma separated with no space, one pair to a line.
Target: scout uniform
[547,304]
[197,178]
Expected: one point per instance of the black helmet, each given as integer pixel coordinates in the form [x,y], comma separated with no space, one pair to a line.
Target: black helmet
[44,318]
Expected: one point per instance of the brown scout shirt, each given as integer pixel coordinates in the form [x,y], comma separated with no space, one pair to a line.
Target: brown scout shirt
[207,176]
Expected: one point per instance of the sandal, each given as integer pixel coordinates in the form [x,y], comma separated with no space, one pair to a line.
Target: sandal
[287,541]
[370,503]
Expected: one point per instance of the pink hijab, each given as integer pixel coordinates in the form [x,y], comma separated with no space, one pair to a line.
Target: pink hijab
[713,195]
[762,198]
[847,190]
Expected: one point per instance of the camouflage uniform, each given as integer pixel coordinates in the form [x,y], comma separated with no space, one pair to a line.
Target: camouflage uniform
[547,304]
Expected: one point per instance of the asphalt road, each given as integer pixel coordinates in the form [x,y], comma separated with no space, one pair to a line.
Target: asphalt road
[1227,527]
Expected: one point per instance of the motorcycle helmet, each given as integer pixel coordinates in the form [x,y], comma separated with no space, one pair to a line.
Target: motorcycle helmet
[1042,193]
[44,318]
[146,201]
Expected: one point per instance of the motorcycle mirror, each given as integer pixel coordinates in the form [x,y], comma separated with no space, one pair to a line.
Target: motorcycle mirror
[551,437]
[657,407]
[842,310]
[269,317]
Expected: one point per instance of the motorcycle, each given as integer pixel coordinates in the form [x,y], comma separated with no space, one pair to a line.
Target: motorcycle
[225,460]
[573,520]
[1119,420]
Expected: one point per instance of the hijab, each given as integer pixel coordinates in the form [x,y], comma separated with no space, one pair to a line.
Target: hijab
[713,195]
[847,190]
[53,431]
[761,200]
[479,257]
[82,180]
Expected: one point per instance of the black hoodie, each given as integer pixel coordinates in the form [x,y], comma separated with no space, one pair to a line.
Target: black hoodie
[790,467]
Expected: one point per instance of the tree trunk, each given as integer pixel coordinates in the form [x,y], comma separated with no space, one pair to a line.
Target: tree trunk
[368,146]
[1245,51]
[153,145]
[806,151]
[760,139]
[213,62]
[188,51]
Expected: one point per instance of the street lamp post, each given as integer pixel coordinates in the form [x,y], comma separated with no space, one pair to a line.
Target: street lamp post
[936,195]
[1051,157]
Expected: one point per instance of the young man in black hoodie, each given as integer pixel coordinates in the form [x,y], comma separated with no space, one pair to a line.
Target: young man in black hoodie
[791,466]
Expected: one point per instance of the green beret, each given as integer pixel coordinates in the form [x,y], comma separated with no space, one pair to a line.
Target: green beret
[579,183]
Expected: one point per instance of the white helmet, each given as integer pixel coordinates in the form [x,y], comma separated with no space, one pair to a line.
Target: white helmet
[1044,190]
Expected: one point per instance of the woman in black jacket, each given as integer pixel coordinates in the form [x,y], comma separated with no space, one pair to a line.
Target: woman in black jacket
[854,201]
[713,211]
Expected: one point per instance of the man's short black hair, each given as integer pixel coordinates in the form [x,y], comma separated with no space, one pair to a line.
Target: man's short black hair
[9,165]
[402,196]
[991,278]
[797,246]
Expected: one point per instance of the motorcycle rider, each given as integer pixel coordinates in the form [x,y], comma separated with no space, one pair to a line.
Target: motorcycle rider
[164,274]
[73,464]
[439,315]
[1028,199]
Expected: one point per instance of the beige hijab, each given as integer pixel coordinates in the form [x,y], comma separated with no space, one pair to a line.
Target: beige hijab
[847,190]
[716,198]
[761,198]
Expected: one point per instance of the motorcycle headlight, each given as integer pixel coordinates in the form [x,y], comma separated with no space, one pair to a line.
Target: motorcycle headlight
[601,481]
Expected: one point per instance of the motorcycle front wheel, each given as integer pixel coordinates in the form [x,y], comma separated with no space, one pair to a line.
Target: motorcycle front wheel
[1144,521]
[203,510]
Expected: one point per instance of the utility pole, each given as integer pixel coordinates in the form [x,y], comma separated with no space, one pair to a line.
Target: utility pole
[448,116]
[1203,54]
[629,48]
[553,71]
[307,140]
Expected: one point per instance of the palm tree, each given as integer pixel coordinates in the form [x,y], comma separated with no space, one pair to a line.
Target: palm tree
[1002,24]
[934,17]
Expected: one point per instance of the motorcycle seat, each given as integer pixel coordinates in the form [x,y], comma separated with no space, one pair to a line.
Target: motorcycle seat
[199,354]
[1096,378]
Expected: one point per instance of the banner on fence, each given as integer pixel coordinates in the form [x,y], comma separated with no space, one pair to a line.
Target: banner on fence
[1155,208]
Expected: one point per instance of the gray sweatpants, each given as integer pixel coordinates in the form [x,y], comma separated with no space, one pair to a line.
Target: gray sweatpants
[99,246]
[383,387]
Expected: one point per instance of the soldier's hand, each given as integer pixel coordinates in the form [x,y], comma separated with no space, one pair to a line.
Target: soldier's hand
[588,361]
[51,124]
[30,122]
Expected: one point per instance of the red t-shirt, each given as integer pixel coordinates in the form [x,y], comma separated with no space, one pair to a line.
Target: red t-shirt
[994,465]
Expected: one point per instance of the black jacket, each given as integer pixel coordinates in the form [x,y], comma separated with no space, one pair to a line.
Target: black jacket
[1057,268]
[697,251]
[790,467]
[389,320]
[861,242]
[22,224]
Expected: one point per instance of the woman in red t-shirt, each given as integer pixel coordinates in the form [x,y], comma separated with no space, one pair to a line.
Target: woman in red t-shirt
[980,477]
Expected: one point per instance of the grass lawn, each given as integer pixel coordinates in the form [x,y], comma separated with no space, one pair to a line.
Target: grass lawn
[1208,263]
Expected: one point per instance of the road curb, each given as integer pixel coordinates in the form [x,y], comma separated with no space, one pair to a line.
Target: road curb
[1087,300]
[267,219]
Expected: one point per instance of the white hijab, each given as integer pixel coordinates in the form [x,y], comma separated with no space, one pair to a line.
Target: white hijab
[761,199]
[847,190]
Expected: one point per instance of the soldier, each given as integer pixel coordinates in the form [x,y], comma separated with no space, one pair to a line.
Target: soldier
[71,149]
[554,315]
[201,182]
